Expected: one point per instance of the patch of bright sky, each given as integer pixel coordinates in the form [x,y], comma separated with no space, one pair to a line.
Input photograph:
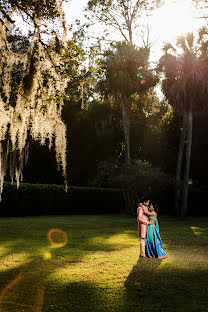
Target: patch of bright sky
[174,18]
[74,10]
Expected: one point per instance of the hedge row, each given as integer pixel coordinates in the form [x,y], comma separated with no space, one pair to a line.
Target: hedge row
[51,199]
[45,199]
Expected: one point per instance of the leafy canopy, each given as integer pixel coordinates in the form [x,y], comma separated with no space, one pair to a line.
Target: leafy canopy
[121,71]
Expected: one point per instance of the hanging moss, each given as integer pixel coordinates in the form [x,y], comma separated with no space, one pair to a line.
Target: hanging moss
[29,87]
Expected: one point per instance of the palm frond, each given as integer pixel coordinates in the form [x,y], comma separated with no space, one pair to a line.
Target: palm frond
[168,46]
[190,40]
[181,42]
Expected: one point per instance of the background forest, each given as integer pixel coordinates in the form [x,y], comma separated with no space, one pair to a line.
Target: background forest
[103,105]
[121,132]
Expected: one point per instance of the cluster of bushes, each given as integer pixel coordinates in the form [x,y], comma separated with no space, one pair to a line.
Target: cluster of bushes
[51,199]
[139,181]
[47,199]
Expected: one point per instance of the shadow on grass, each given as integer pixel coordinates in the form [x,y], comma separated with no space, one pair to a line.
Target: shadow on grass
[25,284]
[153,285]
[148,288]
[156,285]
[29,288]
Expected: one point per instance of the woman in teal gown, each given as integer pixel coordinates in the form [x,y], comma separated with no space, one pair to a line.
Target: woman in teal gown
[154,247]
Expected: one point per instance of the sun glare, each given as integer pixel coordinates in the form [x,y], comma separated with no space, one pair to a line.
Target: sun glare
[173,19]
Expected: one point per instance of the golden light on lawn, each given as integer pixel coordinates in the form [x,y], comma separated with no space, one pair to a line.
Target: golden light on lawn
[197,231]
[13,260]
[57,238]
[174,18]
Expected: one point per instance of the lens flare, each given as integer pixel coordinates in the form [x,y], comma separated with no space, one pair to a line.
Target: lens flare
[139,74]
[132,95]
[40,302]
[47,255]
[57,238]
[7,289]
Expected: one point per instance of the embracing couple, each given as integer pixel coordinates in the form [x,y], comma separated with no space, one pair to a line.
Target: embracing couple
[150,241]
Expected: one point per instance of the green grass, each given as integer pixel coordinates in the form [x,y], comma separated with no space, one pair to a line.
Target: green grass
[99,269]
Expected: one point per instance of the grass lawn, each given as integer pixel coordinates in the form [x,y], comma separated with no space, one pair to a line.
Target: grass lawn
[99,268]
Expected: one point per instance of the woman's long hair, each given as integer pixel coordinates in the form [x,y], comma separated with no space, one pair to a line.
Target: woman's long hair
[155,208]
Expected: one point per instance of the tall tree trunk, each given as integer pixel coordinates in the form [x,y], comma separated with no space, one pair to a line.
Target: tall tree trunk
[187,166]
[126,131]
[179,164]
[129,25]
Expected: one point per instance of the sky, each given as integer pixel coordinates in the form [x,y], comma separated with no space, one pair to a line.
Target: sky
[176,17]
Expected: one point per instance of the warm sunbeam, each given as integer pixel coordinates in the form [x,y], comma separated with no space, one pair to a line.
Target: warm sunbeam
[173,19]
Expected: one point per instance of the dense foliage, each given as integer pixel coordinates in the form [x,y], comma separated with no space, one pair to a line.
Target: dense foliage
[138,181]
[100,99]
[32,69]
[185,88]
[46,199]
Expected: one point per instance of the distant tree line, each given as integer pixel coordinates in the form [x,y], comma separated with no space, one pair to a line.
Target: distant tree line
[119,132]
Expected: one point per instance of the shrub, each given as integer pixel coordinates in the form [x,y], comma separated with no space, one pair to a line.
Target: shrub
[138,181]
[40,199]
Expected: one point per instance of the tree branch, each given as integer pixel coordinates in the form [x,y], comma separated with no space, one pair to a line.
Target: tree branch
[6,16]
[118,26]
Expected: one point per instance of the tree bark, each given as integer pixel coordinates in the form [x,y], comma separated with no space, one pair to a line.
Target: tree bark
[126,131]
[179,164]
[129,25]
[187,166]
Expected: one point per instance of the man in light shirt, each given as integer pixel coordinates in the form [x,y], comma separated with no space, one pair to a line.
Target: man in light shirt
[143,222]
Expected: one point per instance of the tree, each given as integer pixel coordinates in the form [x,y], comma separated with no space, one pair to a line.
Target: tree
[201,6]
[122,78]
[123,15]
[185,88]
[138,181]
[33,79]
